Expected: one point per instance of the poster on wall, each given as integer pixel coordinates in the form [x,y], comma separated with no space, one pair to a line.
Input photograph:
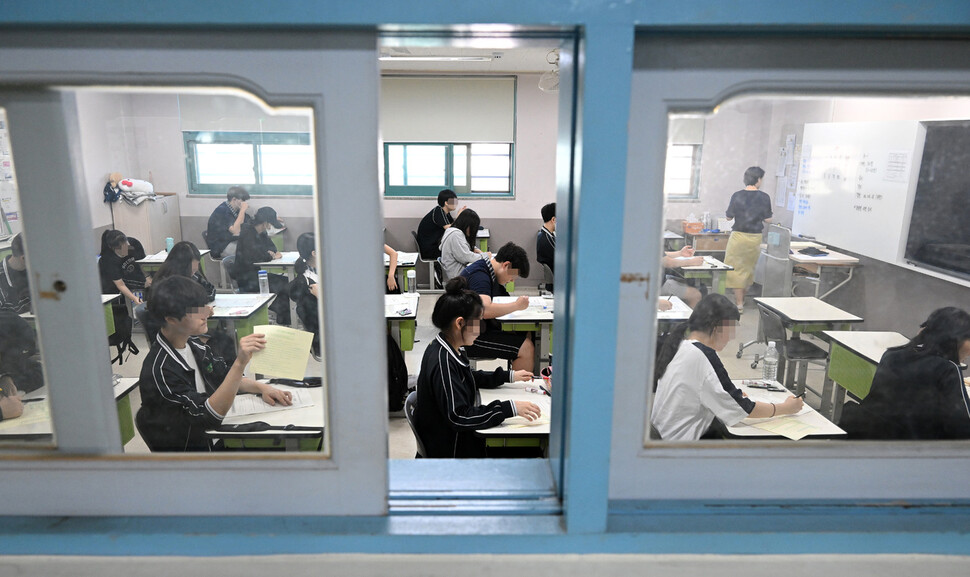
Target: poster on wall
[9,201]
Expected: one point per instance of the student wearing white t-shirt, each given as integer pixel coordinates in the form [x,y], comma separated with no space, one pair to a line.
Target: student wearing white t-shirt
[693,387]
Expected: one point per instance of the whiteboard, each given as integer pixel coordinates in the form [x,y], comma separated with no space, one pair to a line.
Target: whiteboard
[856,184]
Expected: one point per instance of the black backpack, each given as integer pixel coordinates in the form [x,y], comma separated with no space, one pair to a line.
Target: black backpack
[121,338]
[397,376]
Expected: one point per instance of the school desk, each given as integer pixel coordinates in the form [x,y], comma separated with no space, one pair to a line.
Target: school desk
[712,272]
[293,429]
[853,358]
[35,423]
[483,235]
[286,266]
[153,262]
[831,263]
[536,319]
[243,311]
[679,313]
[405,261]
[806,315]
[808,421]
[673,241]
[109,317]
[517,431]
[401,312]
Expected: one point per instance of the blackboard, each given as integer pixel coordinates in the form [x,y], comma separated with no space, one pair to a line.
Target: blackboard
[856,184]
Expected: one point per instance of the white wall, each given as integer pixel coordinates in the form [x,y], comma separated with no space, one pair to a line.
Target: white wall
[535,162]
[106,146]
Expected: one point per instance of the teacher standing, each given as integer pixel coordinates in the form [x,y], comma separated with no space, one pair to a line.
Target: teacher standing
[750,208]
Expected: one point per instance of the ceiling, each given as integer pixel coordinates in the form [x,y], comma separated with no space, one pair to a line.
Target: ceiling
[531,59]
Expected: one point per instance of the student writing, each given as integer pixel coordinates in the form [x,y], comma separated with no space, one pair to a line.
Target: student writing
[185,388]
[488,278]
[458,248]
[674,282]
[693,387]
[14,287]
[305,288]
[546,239]
[254,246]
[448,410]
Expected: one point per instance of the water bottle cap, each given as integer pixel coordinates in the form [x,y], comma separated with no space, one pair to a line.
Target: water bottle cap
[771,343]
[261,271]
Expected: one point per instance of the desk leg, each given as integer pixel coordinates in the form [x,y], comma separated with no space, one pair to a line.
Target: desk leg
[717,282]
[827,408]
[821,269]
[109,320]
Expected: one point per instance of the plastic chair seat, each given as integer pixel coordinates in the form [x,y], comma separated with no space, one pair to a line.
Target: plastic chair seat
[798,349]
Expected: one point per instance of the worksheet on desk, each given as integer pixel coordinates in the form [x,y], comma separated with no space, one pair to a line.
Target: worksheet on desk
[254,404]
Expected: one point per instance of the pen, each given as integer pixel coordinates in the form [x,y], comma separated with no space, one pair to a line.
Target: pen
[31,400]
[545,390]
[800,396]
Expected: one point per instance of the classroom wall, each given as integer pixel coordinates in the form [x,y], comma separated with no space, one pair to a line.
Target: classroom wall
[140,135]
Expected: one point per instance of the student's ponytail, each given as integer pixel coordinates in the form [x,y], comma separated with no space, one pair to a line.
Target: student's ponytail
[713,310]
[305,245]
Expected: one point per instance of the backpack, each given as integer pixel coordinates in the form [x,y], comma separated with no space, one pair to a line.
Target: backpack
[397,376]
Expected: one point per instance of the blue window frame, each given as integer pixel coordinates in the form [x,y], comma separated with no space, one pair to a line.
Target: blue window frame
[266,163]
[470,169]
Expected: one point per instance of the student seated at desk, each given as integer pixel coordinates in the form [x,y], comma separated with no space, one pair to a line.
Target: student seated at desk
[546,239]
[458,248]
[488,277]
[14,287]
[693,386]
[254,246]
[447,413]
[182,260]
[305,288]
[674,282]
[18,353]
[185,388]
[11,406]
[225,222]
[433,225]
[918,391]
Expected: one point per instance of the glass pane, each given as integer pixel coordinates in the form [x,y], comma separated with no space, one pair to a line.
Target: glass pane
[459,170]
[490,148]
[286,163]
[395,164]
[865,249]
[490,184]
[490,166]
[23,394]
[425,165]
[225,163]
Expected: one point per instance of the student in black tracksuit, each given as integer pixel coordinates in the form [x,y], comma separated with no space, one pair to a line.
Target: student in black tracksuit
[304,290]
[254,246]
[448,410]
[546,240]
[186,389]
[432,227]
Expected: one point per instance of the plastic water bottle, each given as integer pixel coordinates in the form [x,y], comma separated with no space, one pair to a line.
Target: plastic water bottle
[412,281]
[169,243]
[263,282]
[770,365]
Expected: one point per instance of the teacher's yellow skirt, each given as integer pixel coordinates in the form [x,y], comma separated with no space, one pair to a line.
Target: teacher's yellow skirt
[742,253]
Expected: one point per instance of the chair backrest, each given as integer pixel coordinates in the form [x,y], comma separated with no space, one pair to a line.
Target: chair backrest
[778,240]
[226,264]
[409,403]
[773,329]
[417,247]
[547,276]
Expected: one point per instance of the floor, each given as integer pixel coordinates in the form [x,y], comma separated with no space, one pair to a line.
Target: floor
[401,443]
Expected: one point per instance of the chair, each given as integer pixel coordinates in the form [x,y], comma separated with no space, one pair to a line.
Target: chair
[433,282]
[222,282]
[547,279]
[796,351]
[226,272]
[409,402]
[773,272]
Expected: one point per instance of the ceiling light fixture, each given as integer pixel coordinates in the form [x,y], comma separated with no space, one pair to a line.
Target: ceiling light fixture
[409,58]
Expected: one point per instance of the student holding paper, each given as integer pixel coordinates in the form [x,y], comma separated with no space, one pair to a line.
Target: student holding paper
[693,386]
[447,411]
[185,388]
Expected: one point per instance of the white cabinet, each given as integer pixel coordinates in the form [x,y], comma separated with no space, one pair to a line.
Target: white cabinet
[151,221]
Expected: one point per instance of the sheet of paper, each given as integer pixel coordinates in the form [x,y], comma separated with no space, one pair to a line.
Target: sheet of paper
[254,404]
[34,413]
[788,426]
[286,353]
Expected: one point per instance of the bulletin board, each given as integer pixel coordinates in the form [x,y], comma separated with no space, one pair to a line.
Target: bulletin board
[9,201]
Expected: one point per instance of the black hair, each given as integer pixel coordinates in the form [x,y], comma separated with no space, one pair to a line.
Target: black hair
[177,263]
[753,175]
[548,212]
[237,192]
[457,301]
[305,244]
[942,334]
[514,254]
[710,313]
[446,195]
[111,240]
[174,297]
[17,245]
[468,220]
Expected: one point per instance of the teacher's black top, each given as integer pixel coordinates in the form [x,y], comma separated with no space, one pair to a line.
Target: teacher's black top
[749,209]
